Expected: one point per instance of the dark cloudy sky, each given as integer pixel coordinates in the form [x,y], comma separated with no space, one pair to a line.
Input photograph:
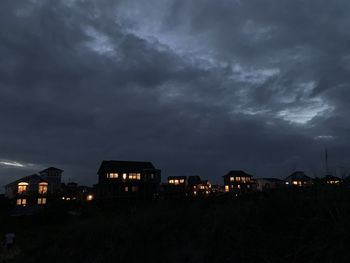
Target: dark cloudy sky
[196,87]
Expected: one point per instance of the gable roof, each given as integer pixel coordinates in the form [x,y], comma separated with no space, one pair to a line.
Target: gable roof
[26,179]
[110,166]
[299,175]
[50,169]
[237,173]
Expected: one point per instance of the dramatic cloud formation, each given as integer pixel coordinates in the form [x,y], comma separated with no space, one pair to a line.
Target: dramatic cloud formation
[197,87]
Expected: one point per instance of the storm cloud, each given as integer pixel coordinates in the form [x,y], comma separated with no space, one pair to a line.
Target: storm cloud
[196,87]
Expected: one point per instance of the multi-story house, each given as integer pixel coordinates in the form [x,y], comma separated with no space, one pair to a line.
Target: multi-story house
[127,179]
[299,179]
[237,181]
[35,189]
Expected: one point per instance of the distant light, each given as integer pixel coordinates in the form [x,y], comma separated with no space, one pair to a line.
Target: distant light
[89,197]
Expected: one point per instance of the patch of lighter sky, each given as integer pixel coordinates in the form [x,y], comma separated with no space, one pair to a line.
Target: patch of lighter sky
[99,42]
[303,114]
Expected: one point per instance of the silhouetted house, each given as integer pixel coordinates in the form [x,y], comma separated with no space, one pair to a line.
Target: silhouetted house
[74,192]
[176,185]
[203,188]
[127,179]
[299,179]
[54,177]
[28,191]
[266,184]
[237,181]
[332,180]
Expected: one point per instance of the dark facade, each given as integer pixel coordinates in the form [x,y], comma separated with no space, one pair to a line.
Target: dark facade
[31,190]
[127,179]
[237,181]
[299,179]
[269,184]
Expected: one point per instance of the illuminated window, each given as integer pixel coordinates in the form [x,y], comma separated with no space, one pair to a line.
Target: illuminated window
[295,182]
[89,197]
[239,186]
[138,175]
[243,179]
[232,179]
[182,181]
[176,181]
[112,175]
[43,188]
[41,201]
[21,202]
[227,188]
[171,181]
[238,179]
[126,189]
[124,176]
[134,176]
[22,188]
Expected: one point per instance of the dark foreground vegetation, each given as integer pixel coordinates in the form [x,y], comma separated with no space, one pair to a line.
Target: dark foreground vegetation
[275,227]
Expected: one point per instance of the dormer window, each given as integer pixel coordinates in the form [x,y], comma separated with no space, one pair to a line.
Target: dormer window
[22,187]
[43,188]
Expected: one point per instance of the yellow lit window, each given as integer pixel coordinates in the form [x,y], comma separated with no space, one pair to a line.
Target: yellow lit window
[243,179]
[227,188]
[239,186]
[295,182]
[43,188]
[171,181]
[41,201]
[112,175]
[22,202]
[124,176]
[89,197]
[238,179]
[232,179]
[176,181]
[126,189]
[138,176]
[22,188]
[182,181]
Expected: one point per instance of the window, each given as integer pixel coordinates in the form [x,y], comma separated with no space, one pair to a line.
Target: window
[124,176]
[42,201]
[43,188]
[134,176]
[227,188]
[112,175]
[126,189]
[89,198]
[239,186]
[238,179]
[22,188]
[171,181]
[176,181]
[232,179]
[182,181]
[21,202]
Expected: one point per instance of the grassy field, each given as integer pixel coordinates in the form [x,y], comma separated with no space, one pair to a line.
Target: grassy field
[278,227]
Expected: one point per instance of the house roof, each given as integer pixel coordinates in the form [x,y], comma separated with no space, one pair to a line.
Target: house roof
[50,169]
[237,173]
[330,177]
[110,166]
[26,179]
[299,175]
[177,177]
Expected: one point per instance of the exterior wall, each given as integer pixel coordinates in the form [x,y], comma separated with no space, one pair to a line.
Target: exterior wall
[123,186]
[237,186]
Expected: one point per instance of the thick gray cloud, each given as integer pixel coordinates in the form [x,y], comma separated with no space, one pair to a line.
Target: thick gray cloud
[197,87]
